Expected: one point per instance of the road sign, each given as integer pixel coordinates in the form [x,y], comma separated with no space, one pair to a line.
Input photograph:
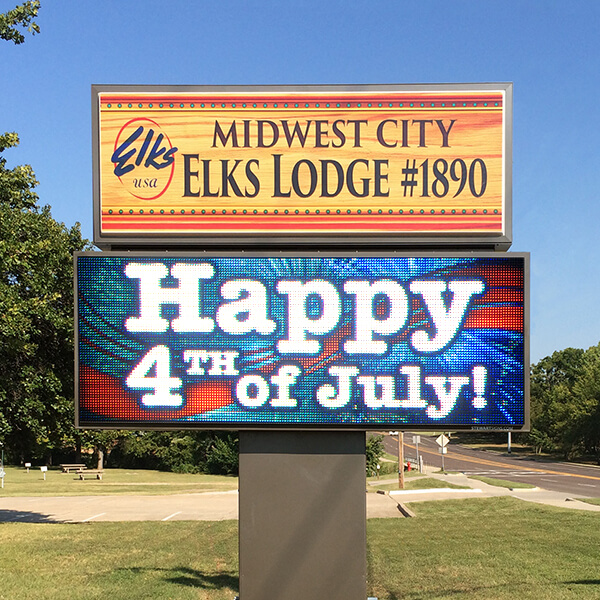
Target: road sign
[442,440]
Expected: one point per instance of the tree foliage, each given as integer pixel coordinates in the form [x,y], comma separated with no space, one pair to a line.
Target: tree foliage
[19,18]
[181,452]
[36,333]
[36,316]
[374,452]
[565,402]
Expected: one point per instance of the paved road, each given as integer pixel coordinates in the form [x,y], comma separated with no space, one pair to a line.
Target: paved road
[578,480]
[216,506]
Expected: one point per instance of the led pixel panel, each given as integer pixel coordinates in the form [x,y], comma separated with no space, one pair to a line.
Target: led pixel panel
[361,341]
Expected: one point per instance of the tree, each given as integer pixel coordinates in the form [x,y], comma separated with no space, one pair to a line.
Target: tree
[565,403]
[374,452]
[36,317]
[36,300]
[22,16]
[552,381]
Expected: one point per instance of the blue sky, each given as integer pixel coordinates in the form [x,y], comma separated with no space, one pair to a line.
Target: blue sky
[549,49]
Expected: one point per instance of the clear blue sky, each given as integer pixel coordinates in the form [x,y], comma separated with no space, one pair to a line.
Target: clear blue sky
[550,50]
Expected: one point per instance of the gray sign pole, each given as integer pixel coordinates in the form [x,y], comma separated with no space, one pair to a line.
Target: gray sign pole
[302,512]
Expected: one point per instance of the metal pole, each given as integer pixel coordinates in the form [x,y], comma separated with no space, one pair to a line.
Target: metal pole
[442,449]
[509,441]
[401,460]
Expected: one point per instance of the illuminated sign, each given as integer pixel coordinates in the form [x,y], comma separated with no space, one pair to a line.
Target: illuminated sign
[379,164]
[263,341]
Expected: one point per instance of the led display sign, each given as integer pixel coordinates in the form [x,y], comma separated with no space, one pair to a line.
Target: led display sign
[380,164]
[435,341]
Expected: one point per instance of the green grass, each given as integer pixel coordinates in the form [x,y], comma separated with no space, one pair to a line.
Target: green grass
[590,500]
[423,483]
[477,549]
[485,549]
[116,481]
[518,485]
[394,475]
[120,561]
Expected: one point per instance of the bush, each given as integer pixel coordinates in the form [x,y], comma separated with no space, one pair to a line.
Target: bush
[374,452]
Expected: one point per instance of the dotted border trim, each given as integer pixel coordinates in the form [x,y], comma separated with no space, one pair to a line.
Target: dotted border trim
[300,105]
[294,212]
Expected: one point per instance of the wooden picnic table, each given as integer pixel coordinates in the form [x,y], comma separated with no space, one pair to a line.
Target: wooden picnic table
[87,472]
[67,467]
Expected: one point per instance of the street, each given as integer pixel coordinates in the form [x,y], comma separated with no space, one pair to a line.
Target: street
[576,479]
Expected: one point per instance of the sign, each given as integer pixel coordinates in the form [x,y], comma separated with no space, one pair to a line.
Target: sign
[316,164]
[363,341]
[442,440]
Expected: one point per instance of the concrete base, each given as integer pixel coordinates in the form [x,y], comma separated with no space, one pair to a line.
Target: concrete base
[302,516]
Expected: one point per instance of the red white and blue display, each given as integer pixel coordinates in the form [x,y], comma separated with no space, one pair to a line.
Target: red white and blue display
[255,341]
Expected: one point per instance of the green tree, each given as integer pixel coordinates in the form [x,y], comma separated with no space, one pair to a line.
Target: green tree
[585,420]
[36,317]
[565,402]
[20,17]
[374,452]
[180,451]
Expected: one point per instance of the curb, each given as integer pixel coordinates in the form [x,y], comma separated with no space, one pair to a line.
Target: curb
[406,512]
[435,491]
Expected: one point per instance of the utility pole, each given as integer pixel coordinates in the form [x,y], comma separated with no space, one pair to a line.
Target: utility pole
[401,460]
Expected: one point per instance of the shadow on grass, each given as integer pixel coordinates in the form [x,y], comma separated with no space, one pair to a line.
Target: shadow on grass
[584,582]
[193,578]
[26,516]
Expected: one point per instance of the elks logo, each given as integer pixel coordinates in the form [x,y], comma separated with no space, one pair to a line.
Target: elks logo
[144,158]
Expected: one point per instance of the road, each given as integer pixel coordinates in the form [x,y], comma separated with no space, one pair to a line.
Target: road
[579,480]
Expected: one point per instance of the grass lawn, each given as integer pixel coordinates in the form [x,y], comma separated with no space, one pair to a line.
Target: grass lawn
[485,549]
[477,549]
[422,483]
[18,482]
[513,485]
[590,500]
[120,561]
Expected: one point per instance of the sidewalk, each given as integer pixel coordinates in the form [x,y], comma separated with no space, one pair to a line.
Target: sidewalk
[479,489]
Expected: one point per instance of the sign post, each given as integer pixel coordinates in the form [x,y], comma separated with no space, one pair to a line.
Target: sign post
[442,442]
[416,440]
[302,515]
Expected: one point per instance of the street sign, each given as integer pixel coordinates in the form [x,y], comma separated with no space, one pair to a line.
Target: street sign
[442,440]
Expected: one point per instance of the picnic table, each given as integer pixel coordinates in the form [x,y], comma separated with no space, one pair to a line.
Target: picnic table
[87,472]
[68,468]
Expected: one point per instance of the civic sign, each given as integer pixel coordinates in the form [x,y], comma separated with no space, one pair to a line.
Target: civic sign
[361,341]
[426,164]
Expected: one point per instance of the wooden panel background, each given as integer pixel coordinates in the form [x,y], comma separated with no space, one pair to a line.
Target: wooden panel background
[187,122]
